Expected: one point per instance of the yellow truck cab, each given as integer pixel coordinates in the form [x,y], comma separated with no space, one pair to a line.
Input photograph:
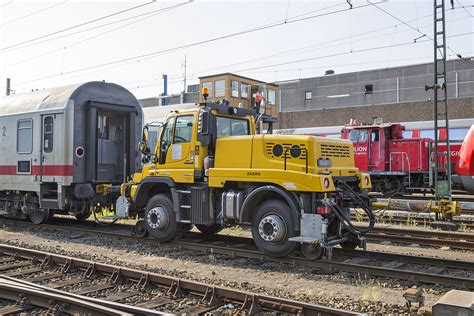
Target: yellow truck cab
[210,169]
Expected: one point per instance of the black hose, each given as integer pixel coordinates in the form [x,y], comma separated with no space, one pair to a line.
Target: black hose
[98,221]
[345,218]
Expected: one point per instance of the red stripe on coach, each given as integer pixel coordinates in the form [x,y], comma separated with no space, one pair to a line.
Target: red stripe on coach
[48,170]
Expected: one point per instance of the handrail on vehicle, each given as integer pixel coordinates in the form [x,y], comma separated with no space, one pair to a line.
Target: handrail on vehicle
[306,152]
[404,154]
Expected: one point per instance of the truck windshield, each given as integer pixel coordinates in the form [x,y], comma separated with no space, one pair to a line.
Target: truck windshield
[227,126]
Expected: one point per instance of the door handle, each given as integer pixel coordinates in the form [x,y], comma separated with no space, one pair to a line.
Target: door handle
[189,162]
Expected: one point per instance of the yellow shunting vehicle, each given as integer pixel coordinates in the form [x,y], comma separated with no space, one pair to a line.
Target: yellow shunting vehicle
[210,169]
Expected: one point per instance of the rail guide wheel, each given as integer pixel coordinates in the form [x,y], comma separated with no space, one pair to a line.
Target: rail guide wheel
[140,229]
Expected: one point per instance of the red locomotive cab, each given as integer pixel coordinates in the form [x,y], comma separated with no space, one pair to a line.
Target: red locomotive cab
[358,137]
[370,146]
[465,165]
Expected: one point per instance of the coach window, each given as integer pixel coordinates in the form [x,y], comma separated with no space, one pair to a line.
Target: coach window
[457,133]
[103,127]
[48,134]
[183,129]
[427,134]
[24,143]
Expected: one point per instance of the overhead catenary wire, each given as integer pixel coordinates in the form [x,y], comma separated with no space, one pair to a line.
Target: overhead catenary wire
[465,9]
[412,27]
[293,51]
[78,25]
[33,13]
[297,61]
[349,52]
[144,16]
[94,68]
[5,4]
[149,55]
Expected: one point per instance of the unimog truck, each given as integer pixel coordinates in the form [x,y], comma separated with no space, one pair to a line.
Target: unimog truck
[210,169]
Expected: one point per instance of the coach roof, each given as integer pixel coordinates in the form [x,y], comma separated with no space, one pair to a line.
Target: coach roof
[58,98]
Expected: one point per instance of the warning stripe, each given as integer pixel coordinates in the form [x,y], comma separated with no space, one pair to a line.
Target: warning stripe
[48,170]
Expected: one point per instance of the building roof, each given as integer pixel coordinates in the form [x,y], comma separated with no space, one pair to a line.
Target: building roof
[239,76]
[387,69]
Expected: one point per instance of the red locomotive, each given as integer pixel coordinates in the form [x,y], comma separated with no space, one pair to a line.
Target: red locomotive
[465,166]
[397,165]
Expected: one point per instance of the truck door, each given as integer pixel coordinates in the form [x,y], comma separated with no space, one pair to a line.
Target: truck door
[177,157]
[377,150]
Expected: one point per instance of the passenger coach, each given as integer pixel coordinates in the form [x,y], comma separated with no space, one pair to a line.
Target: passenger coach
[58,144]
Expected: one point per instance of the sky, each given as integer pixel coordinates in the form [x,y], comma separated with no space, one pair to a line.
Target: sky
[133,43]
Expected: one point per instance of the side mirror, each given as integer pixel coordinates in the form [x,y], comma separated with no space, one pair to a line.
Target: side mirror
[145,134]
[203,127]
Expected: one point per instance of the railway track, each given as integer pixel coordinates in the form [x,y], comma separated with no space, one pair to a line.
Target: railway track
[66,285]
[423,237]
[415,269]
[415,219]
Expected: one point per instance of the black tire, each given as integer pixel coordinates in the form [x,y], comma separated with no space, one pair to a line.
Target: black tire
[282,247]
[209,230]
[171,229]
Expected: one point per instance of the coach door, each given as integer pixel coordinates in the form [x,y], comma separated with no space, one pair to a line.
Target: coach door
[52,164]
[111,154]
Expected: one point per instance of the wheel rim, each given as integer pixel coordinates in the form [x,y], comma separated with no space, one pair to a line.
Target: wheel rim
[272,228]
[158,218]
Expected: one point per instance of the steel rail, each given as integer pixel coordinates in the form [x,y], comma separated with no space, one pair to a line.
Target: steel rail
[405,219]
[458,244]
[329,265]
[434,237]
[28,295]
[424,233]
[252,300]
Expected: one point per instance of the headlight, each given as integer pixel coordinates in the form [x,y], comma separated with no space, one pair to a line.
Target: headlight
[324,163]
